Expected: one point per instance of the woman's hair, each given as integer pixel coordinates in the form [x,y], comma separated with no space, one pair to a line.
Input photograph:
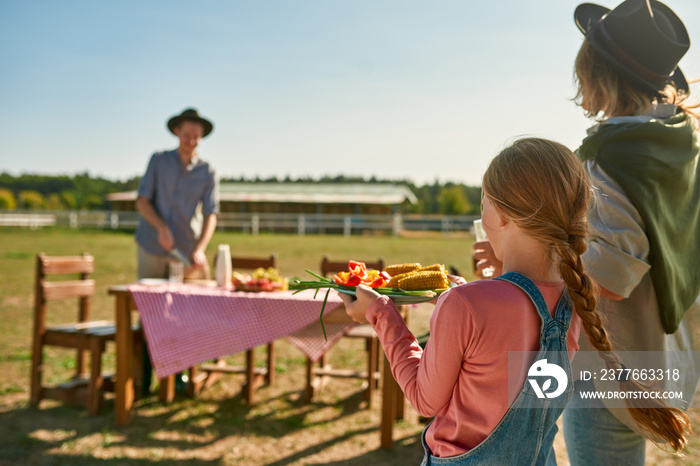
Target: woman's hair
[542,187]
[605,90]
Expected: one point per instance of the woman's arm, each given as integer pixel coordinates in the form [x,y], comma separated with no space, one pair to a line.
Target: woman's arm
[618,248]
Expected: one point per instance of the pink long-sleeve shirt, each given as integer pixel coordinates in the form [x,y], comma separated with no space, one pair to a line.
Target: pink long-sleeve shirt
[462,376]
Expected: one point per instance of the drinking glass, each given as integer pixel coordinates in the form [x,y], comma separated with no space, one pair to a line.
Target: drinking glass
[481,236]
[176,272]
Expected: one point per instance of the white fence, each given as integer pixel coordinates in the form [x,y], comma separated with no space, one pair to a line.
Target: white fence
[255,223]
[31,220]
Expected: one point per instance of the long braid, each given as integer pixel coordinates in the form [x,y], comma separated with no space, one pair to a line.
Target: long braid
[653,416]
[552,172]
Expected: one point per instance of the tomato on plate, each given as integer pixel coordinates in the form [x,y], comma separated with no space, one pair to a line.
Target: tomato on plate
[358,274]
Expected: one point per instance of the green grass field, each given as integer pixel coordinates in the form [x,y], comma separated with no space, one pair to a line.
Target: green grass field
[217,428]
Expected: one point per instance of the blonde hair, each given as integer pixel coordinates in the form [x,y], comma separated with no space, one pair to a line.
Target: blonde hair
[542,187]
[603,89]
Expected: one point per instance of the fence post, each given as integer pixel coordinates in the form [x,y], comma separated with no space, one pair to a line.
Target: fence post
[73,220]
[255,224]
[397,227]
[114,221]
[301,225]
[445,225]
[347,226]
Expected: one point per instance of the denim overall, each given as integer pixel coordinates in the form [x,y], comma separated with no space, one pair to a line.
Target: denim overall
[526,433]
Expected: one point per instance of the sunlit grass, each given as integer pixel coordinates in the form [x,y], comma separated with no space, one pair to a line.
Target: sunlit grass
[217,428]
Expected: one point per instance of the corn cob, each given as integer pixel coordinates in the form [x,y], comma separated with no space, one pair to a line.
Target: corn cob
[427,280]
[398,269]
[394,282]
[434,267]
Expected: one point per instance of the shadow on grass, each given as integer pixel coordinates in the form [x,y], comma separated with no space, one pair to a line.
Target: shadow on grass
[374,457]
[61,434]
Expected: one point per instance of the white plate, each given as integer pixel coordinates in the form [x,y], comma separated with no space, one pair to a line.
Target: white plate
[407,299]
[153,281]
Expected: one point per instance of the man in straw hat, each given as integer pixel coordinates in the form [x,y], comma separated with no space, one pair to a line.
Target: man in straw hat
[643,159]
[178,199]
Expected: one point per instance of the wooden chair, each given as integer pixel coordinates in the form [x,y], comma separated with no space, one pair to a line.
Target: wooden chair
[316,375]
[206,374]
[84,335]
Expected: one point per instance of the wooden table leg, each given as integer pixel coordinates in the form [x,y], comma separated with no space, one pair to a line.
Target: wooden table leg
[372,363]
[166,389]
[389,397]
[309,390]
[270,376]
[124,389]
[393,400]
[249,389]
[400,409]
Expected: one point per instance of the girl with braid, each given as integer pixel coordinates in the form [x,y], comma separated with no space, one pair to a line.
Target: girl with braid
[642,158]
[535,203]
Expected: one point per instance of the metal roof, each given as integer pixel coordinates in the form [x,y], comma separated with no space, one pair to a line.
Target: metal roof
[306,193]
[317,193]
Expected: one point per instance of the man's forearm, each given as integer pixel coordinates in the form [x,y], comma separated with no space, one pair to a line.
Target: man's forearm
[165,236]
[147,211]
[208,228]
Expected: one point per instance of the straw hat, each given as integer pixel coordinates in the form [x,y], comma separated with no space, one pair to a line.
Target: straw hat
[642,38]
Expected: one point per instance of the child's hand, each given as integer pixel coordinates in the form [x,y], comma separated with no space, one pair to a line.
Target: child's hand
[357,307]
[485,257]
[456,279]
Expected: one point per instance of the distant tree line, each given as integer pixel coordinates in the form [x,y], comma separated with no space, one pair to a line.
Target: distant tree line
[43,192]
[84,192]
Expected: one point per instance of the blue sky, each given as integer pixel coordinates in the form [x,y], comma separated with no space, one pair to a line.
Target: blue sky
[396,89]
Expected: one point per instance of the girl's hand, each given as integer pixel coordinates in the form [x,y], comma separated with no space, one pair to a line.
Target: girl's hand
[484,257]
[357,306]
[456,279]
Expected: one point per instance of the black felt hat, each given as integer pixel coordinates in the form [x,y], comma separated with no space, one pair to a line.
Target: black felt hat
[190,115]
[643,38]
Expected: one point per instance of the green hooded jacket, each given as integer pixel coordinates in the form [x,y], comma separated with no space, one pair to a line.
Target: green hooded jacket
[657,163]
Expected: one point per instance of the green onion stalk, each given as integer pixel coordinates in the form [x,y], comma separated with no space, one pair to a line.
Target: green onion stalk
[328,284]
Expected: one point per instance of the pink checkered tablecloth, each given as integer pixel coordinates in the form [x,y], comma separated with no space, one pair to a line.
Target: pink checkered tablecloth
[188,324]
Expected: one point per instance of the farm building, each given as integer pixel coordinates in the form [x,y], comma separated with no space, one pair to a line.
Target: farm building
[299,198]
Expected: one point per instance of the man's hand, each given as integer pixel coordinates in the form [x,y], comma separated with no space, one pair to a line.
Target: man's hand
[357,307]
[199,259]
[484,256]
[165,238]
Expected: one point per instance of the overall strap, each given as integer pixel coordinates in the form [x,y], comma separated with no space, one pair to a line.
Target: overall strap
[564,310]
[527,285]
[553,330]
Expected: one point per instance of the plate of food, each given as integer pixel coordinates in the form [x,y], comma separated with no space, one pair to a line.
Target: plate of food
[403,283]
[260,280]
[409,283]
